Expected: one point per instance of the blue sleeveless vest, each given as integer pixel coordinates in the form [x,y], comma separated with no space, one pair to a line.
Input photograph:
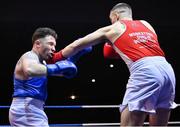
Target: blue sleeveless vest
[35,87]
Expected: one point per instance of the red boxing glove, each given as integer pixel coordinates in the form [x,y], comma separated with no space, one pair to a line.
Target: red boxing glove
[109,52]
[56,57]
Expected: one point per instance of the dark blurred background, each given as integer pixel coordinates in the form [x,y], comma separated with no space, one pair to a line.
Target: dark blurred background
[73,19]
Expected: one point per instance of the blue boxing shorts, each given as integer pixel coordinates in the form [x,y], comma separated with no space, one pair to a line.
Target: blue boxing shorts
[26,111]
[151,85]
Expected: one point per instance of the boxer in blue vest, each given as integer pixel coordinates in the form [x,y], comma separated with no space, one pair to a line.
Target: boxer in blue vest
[30,78]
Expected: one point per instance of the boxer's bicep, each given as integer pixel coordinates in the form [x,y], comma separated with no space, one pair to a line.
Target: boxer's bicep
[31,66]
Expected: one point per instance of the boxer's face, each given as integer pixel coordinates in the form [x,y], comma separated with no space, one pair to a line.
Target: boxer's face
[47,47]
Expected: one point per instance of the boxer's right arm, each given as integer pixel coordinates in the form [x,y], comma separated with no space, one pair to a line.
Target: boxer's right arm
[109,52]
[31,67]
[64,68]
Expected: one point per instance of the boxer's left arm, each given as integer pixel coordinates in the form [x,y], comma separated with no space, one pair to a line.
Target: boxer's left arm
[77,56]
[89,40]
[58,56]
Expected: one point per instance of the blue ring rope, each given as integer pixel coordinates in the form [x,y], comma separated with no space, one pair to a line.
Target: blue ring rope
[74,106]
